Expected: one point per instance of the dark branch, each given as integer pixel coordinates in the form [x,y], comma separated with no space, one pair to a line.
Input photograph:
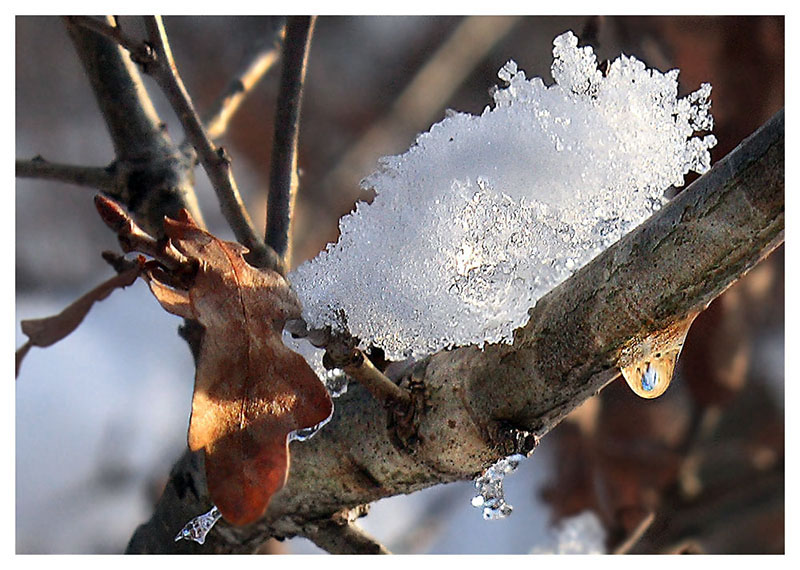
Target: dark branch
[138,49]
[91,176]
[283,170]
[477,403]
[215,161]
[153,178]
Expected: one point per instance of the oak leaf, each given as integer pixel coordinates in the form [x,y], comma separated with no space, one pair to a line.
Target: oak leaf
[49,330]
[250,390]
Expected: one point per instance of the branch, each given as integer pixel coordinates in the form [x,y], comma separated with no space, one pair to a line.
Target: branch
[91,176]
[422,100]
[215,161]
[479,405]
[153,178]
[346,538]
[240,86]
[283,169]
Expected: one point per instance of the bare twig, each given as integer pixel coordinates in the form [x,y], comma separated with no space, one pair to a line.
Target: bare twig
[240,86]
[91,176]
[215,161]
[422,99]
[636,534]
[283,170]
[384,390]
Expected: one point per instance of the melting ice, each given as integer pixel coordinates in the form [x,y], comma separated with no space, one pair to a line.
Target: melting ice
[198,528]
[490,495]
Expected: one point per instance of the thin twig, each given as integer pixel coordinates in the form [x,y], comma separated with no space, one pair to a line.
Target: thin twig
[91,176]
[283,170]
[215,161]
[422,99]
[635,534]
[384,390]
[240,86]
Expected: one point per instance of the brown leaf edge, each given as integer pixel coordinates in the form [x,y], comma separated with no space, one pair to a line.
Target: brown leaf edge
[49,330]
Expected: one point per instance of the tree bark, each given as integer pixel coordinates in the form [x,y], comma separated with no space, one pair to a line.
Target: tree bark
[474,406]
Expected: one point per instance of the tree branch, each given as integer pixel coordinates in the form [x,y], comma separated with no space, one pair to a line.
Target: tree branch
[91,176]
[346,538]
[283,167]
[153,178]
[228,103]
[215,161]
[478,405]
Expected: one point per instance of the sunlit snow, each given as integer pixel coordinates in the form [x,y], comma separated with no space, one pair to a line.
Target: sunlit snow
[485,214]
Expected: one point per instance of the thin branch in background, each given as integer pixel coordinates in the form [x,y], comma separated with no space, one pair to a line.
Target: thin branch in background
[215,161]
[91,176]
[625,546]
[283,170]
[223,109]
[422,100]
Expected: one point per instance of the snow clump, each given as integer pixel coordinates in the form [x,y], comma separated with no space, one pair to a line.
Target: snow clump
[486,214]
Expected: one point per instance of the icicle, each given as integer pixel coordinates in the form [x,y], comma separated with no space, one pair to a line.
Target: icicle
[490,488]
[198,528]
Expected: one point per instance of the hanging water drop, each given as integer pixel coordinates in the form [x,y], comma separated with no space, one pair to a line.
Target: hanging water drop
[648,363]
[198,528]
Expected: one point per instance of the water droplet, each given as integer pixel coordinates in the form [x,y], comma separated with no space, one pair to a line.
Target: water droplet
[198,528]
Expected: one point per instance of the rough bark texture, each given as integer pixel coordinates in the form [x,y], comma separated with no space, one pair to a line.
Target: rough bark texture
[474,406]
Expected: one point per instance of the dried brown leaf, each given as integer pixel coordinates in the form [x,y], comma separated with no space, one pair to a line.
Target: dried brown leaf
[251,391]
[50,330]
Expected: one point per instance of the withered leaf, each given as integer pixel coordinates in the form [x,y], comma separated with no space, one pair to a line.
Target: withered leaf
[50,330]
[250,391]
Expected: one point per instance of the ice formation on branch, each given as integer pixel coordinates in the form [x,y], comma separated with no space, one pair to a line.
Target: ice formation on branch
[485,214]
[491,496]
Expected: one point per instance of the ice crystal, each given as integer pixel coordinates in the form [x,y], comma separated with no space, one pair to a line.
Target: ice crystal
[491,497]
[485,214]
[198,528]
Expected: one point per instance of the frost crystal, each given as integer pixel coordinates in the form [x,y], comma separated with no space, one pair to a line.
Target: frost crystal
[490,495]
[581,534]
[485,214]
[198,528]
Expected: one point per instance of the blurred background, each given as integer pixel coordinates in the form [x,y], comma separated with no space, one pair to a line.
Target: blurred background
[102,415]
